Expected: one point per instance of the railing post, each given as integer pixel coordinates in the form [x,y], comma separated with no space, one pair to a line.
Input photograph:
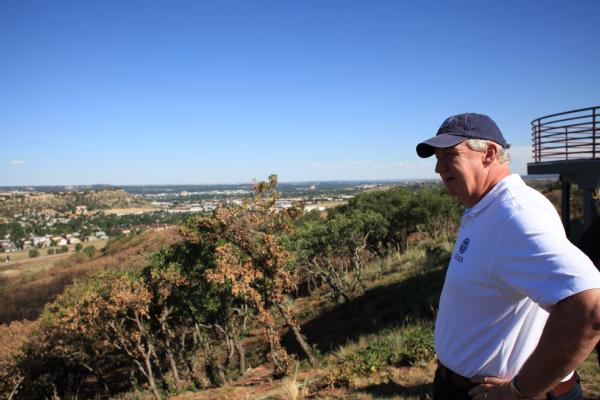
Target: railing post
[594,132]
[566,143]
[538,142]
[565,204]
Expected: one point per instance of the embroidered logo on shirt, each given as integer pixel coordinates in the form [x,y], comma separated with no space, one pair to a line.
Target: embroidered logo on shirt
[464,246]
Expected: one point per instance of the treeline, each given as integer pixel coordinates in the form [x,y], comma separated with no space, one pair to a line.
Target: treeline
[183,321]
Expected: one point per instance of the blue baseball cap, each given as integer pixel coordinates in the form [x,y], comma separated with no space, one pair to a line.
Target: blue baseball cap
[459,128]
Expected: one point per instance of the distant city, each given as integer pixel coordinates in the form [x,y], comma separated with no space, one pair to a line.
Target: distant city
[64,217]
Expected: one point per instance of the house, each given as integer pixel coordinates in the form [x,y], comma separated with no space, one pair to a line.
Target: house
[7,246]
[101,235]
[41,241]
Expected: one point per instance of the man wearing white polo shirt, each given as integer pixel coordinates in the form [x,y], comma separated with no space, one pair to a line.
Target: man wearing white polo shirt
[520,307]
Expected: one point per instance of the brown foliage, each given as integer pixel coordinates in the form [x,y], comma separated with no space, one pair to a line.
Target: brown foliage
[252,261]
[13,336]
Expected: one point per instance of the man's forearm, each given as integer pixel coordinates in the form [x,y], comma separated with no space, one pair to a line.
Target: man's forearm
[570,334]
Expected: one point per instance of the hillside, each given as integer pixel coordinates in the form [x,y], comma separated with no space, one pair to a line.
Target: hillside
[62,202]
[250,302]
[378,346]
[36,282]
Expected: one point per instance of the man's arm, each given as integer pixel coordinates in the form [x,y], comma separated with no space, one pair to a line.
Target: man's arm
[570,334]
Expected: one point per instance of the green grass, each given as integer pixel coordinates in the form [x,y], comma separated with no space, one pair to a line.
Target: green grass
[589,372]
[405,346]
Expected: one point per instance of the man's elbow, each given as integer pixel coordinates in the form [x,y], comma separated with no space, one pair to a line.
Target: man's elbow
[583,309]
[589,300]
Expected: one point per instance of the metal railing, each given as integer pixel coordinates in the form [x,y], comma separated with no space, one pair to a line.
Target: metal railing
[568,135]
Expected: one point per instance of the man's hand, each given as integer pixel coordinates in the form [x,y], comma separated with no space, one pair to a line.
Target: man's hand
[491,388]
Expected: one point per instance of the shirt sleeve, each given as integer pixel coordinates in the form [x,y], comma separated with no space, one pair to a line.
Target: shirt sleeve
[534,258]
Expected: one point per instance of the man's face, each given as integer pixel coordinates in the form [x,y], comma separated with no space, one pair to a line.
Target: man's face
[462,171]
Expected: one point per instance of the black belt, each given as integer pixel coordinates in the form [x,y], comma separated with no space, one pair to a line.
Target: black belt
[456,379]
[465,383]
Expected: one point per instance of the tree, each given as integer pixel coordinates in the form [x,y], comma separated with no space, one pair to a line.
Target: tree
[253,261]
[408,211]
[334,249]
[16,231]
[117,313]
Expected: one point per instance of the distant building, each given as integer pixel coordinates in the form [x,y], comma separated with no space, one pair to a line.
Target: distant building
[7,246]
[41,241]
[81,210]
[283,203]
[101,235]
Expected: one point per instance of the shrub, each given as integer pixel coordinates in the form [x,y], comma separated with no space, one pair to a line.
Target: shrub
[50,252]
[403,346]
[78,247]
[34,253]
[90,251]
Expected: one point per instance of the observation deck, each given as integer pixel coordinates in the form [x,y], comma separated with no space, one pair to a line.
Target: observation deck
[568,144]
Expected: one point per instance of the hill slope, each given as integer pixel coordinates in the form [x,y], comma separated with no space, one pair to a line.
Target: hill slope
[16,203]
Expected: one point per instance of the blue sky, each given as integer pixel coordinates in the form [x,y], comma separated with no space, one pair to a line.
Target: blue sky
[155,92]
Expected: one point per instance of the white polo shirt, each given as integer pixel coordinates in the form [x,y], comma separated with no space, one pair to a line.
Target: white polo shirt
[510,263]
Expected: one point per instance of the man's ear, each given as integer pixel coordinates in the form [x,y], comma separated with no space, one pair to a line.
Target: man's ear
[490,154]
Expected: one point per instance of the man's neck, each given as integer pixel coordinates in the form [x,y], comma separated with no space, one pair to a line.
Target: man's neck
[495,175]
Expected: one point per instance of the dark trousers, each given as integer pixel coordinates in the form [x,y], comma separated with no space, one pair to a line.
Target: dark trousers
[445,389]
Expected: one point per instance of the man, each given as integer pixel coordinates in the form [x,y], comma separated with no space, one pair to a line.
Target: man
[589,245]
[520,307]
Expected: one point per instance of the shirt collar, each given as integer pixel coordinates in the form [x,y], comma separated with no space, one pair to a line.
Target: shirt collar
[510,180]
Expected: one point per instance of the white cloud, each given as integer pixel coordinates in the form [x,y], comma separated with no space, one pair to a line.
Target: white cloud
[16,162]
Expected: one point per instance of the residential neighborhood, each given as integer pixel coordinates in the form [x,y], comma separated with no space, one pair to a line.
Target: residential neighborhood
[33,219]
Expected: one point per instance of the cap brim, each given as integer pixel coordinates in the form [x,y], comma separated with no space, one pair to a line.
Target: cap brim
[443,141]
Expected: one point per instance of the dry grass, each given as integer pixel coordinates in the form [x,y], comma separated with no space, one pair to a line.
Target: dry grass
[292,388]
[589,372]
